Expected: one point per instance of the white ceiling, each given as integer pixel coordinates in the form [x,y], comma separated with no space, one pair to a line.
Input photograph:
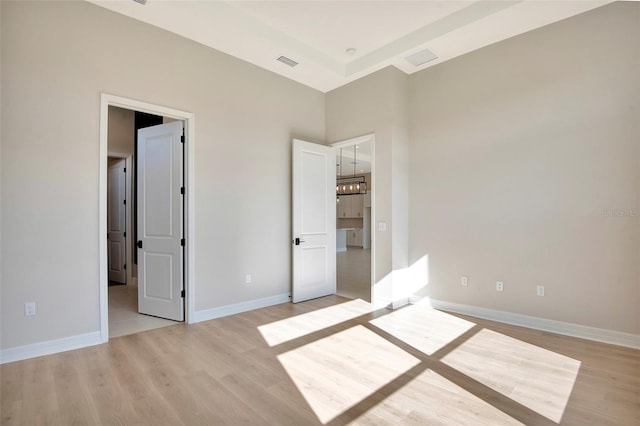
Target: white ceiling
[316,34]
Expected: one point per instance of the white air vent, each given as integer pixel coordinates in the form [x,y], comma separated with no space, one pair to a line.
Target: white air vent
[141,1]
[421,57]
[287,61]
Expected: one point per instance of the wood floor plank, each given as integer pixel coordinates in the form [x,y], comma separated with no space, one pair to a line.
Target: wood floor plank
[75,404]
[11,394]
[39,403]
[224,372]
[112,404]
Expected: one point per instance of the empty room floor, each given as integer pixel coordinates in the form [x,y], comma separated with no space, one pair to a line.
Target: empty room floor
[330,361]
[354,273]
[123,313]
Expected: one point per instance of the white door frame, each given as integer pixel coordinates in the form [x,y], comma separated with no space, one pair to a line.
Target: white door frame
[128,158]
[371,137]
[107,100]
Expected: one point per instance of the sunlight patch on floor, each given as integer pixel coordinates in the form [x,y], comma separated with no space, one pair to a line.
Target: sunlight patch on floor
[423,327]
[335,373]
[537,378]
[438,402]
[288,329]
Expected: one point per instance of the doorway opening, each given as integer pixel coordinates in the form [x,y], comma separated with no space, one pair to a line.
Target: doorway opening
[355,211]
[119,218]
[119,297]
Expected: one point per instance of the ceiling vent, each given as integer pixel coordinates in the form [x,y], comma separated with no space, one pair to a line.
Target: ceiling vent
[287,61]
[141,1]
[421,57]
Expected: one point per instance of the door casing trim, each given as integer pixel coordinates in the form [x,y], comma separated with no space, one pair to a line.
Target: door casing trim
[107,100]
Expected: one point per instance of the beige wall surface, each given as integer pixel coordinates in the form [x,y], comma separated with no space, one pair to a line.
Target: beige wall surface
[525,168]
[57,58]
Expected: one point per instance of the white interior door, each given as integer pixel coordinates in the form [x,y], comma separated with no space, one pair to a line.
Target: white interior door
[314,220]
[160,219]
[116,221]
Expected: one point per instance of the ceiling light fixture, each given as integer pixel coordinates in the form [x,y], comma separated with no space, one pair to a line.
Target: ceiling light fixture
[351,51]
[287,61]
[350,185]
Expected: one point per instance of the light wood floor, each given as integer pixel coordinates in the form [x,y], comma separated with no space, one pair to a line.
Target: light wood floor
[329,361]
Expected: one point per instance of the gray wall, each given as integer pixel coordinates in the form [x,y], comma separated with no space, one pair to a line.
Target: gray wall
[57,57]
[518,153]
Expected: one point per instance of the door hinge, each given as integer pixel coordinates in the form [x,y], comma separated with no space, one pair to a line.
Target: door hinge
[124,201]
[182,293]
[125,266]
[124,234]
[182,242]
[125,170]
[182,138]
[139,243]
[182,190]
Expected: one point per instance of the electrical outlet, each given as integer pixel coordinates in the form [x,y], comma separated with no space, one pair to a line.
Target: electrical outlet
[540,290]
[499,286]
[247,279]
[29,309]
[463,281]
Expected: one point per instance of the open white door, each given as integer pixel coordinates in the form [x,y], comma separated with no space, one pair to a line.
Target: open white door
[160,218]
[116,221]
[314,221]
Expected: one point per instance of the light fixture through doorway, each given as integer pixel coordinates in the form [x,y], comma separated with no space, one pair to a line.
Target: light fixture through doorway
[350,185]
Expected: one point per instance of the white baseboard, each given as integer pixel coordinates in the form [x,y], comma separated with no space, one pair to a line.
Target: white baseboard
[83,340]
[236,308]
[565,328]
[49,347]
[399,303]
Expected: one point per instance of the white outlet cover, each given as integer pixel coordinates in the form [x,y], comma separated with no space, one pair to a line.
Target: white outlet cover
[499,286]
[464,281]
[29,309]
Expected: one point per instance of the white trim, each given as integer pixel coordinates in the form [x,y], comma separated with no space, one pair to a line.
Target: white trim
[107,100]
[396,304]
[237,308]
[49,347]
[370,137]
[559,327]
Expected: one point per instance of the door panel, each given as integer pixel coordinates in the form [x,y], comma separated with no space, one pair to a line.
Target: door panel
[314,221]
[157,268]
[160,221]
[116,221]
